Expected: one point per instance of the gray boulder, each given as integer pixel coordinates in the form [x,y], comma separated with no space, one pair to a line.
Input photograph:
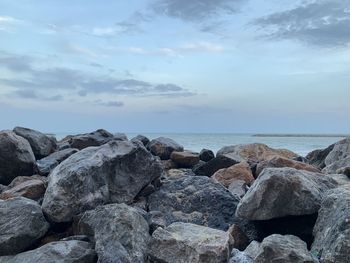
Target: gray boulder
[338,157]
[163,147]
[246,256]
[56,252]
[22,223]
[142,139]
[184,242]
[113,173]
[336,166]
[42,145]
[332,229]
[121,234]
[47,164]
[16,157]
[96,138]
[280,192]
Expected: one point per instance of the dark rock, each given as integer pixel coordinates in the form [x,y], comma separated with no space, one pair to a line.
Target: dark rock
[155,219]
[209,168]
[345,171]
[317,157]
[184,159]
[42,145]
[115,172]
[163,147]
[206,155]
[142,139]
[240,240]
[169,164]
[16,157]
[300,159]
[22,223]
[96,138]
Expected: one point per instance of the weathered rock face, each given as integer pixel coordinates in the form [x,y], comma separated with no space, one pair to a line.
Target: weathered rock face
[238,188]
[47,164]
[255,152]
[337,165]
[338,157]
[56,252]
[184,159]
[163,147]
[22,223]
[96,138]
[206,155]
[120,232]
[177,173]
[280,192]
[236,172]
[211,167]
[317,157]
[247,256]
[332,229]
[142,139]
[280,162]
[195,199]
[16,157]
[31,187]
[115,172]
[42,145]
[184,242]
[344,171]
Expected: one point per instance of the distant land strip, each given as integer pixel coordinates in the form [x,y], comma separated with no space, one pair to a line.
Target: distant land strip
[301,135]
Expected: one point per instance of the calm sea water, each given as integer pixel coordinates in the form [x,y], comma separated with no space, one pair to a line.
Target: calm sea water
[196,142]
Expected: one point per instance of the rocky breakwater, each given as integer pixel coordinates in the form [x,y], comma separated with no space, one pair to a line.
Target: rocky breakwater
[99,197]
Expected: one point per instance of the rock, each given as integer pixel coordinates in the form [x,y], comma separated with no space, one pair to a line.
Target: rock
[344,171]
[240,240]
[184,242]
[332,229]
[96,138]
[238,188]
[341,150]
[169,164]
[62,145]
[120,137]
[177,173]
[255,152]
[206,155]
[33,189]
[56,252]
[120,232]
[209,168]
[22,223]
[112,173]
[163,147]
[317,157]
[195,199]
[280,192]
[337,165]
[240,171]
[142,139]
[42,145]
[280,162]
[47,164]
[16,157]
[184,159]
[3,188]
[240,257]
[156,219]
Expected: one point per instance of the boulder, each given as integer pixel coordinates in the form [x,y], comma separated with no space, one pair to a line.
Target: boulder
[112,173]
[195,199]
[177,173]
[280,192]
[22,223]
[184,159]
[56,252]
[120,137]
[42,145]
[184,242]
[32,187]
[163,147]
[240,240]
[337,165]
[121,234]
[238,188]
[211,167]
[206,155]
[317,157]
[47,164]
[16,157]
[340,151]
[332,229]
[344,171]
[280,162]
[142,139]
[246,256]
[240,171]
[96,138]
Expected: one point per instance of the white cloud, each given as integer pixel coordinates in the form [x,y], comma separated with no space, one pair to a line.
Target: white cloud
[202,46]
[6,22]
[105,31]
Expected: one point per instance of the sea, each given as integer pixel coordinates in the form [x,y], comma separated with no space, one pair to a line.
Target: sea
[299,143]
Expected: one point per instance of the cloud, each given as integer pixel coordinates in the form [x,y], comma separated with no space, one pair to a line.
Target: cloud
[109,103]
[16,63]
[322,23]
[34,95]
[7,22]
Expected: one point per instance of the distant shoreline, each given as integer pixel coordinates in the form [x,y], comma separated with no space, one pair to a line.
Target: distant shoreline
[301,135]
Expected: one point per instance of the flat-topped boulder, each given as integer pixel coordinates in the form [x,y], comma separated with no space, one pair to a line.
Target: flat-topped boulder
[32,187]
[211,167]
[185,159]
[240,171]
[163,147]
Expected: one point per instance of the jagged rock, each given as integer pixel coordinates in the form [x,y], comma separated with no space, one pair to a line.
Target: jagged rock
[163,147]
[240,171]
[209,168]
[280,192]
[42,145]
[22,223]
[337,165]
[56,252]
[47,164]
[31,187]
[184,159]
[332,229]
[317,157]
[206,155]
[16,157]
[338,157]
[120,232]
[96,138]
[238,188]
[184,242]
[115,172]
[142,139]
[195,199]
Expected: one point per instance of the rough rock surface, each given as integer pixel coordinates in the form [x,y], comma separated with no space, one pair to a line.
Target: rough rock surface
[33,188]
[120,232]
[22,223]
[341,150]
[47,164]
[247,255]
[195,199]
[115,172]
[177,173]
[238,188]
[337,165]
[280,192]
[56,252]
[317,157]
[184,159]
[96,138]
[332,229]
[240,171]
[163,147]
[142,139]
[206,155]
[16,157]
[42,145]
[184,242]
[209,168]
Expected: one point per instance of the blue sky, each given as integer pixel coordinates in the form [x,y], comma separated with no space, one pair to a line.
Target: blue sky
[229,66]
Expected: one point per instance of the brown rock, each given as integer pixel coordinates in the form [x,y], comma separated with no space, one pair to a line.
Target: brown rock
[184,159]
[240,171]
[30,188]
[240,240]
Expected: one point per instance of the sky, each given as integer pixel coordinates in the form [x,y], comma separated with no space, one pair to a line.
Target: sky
[199,66]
